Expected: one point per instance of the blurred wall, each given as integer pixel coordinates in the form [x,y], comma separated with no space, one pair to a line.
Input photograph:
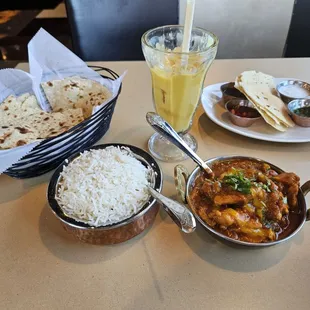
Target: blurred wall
[246,28]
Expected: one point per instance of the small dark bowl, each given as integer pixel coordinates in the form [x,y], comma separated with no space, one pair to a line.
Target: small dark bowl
[230,92]
[287,99]
[115,233]
[239,120]
[302,121]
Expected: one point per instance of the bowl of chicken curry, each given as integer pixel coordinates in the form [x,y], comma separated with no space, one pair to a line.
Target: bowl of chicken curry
[249,201]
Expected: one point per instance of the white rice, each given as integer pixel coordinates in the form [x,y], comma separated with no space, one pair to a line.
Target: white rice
[103,187]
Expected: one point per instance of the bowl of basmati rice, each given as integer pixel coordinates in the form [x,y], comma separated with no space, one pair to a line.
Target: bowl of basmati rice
[100,195]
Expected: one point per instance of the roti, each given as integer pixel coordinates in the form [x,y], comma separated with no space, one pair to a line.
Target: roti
[15,107]
[75,92]
[53,124]
[259,88]
[12,136]
[23,121]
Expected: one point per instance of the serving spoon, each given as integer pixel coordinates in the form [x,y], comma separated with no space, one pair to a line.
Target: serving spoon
[164,129]
[178,212]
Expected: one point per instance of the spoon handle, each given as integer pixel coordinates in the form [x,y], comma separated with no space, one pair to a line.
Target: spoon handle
[164,129]
[179,213]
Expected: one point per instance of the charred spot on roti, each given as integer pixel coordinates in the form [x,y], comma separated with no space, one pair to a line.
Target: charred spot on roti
[5,108]
[46,118]
[21,142]
[49,83]
[22,130]
[41,113]
[5,127]
[61,124]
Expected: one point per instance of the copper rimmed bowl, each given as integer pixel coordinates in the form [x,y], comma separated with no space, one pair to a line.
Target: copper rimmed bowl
[118,232]
[185,184]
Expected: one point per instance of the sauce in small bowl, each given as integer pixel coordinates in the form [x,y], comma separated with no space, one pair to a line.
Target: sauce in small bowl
[242,112]
[293,89]
[300,112]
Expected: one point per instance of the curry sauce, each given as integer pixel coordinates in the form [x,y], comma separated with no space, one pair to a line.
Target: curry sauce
[247,200]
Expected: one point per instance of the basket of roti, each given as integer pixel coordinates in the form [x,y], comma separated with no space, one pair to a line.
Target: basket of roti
[260,89]
[60,108]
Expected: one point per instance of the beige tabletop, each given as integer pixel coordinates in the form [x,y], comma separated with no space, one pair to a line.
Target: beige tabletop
[41,267]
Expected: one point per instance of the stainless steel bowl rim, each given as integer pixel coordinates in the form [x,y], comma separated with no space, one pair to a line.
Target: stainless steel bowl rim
[81,225]
[194,174]
[301,103]
[251,105]
[292,82]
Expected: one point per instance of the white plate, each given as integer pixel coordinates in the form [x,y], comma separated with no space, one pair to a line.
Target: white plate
[211,99]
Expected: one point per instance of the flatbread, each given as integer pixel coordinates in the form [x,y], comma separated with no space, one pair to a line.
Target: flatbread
[15,107]
[259,88]
[75,92]
[53,124]
[12,136]
[22,121]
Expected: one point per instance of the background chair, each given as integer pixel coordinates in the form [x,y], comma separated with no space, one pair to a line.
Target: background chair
[112,29]
[298,39]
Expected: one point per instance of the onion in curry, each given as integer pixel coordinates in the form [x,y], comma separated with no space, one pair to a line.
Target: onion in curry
[247,200]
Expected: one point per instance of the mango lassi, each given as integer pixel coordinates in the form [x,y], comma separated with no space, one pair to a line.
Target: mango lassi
[176,95]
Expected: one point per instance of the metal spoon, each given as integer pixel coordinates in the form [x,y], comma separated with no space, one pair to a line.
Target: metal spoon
[164,129]
[179,213]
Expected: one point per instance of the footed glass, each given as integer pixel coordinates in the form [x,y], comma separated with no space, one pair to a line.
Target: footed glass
[177,81]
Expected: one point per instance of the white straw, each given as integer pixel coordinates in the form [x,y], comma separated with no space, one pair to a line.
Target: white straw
[189,17]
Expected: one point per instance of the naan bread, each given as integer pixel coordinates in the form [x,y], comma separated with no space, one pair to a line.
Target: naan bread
[75,92]
[259,88]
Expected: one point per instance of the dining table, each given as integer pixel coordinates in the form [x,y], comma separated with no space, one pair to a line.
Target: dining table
[43,267]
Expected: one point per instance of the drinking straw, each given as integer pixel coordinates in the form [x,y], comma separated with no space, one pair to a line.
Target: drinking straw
[189,17]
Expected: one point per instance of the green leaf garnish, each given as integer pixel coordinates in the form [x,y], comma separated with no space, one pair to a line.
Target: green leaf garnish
[238,182]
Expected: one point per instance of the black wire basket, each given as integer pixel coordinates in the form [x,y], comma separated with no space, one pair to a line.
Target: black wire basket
[51,152]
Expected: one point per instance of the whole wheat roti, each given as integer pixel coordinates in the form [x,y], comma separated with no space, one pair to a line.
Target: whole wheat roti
[75,92]
[15,107]
[259,88]
[23,130]
[12,136]
[53,124]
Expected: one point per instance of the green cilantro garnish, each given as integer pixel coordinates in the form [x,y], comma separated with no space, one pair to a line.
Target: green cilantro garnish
[238,182]
[263,186]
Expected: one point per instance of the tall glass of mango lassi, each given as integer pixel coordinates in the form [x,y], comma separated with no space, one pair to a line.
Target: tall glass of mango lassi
[177,81]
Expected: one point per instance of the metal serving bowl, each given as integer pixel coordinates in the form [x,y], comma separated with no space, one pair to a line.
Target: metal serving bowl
[230,92]
[239,120]
[287,99]
[302,121]
[185,184]
[114,233]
